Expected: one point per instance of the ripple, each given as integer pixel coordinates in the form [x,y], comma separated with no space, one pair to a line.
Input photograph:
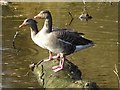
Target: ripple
[18,76]
[102,75]
[21,53]
[3,49]
[34,51]
[6,63]
[101,26]
[31,87]
[13,74]
[16,16]
[2,74]
[16,81]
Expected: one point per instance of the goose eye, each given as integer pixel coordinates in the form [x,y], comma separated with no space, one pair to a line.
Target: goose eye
[27,21]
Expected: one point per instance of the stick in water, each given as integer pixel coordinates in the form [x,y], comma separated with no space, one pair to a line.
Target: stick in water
[71,18]
[14,39]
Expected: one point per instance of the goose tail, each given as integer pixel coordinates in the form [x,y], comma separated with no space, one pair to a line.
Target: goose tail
[81,47]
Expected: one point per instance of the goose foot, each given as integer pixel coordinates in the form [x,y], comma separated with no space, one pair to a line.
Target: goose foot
[55,67]
[59,67]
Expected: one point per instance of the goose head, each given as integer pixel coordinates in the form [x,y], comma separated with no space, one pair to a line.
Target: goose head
[45,14]
[28,22]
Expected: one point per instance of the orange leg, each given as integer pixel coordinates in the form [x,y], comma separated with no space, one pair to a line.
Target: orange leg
[51,57]
[60,66]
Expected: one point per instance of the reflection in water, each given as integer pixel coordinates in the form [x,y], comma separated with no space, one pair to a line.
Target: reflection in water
[96,64]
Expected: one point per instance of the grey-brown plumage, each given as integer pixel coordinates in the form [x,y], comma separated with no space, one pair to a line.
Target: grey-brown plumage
[72,39]
[60,41]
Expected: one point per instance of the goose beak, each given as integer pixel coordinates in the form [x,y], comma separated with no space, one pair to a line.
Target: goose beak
[22,25]
[37,16]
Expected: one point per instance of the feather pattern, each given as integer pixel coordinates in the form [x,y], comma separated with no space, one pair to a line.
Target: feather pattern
[60,41]
[66,41]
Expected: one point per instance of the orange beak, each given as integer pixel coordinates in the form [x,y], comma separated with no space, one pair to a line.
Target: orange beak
[22,25]
[37,16]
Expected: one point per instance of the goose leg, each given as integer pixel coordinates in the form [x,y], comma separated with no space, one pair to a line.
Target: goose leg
[51,57]
[60,66]
[56,57]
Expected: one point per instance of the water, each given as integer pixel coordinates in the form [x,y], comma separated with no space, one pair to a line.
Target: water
[96,63]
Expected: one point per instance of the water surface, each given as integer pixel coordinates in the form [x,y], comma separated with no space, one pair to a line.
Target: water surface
[96,63]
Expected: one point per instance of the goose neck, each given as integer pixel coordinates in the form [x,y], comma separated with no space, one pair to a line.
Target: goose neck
[48,25]
[34,30]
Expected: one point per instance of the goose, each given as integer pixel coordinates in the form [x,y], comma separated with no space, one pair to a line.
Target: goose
[62,42]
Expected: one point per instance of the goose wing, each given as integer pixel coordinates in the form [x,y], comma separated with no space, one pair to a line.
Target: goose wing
[71,37]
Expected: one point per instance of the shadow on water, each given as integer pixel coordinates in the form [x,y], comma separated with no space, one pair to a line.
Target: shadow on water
[96,63]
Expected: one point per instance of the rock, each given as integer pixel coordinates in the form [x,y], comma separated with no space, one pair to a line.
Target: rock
[70,77]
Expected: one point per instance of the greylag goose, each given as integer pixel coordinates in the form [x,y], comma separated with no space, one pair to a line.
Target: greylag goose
[63,42]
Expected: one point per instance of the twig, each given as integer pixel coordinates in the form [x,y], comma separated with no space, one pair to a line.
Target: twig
[116,73]
[71,18]
[14,39]
[27,73]
[70,15]
[70,21]
[31,68]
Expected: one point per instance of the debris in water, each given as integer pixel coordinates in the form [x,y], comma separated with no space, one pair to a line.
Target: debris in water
[71,19]
[85,16]
[116,73]
[3,2]
[14,39]
[31,68]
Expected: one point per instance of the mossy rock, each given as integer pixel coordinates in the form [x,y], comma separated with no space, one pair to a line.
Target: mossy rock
[70,77]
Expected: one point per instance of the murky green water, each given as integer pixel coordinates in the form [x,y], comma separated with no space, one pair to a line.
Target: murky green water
[96,63]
